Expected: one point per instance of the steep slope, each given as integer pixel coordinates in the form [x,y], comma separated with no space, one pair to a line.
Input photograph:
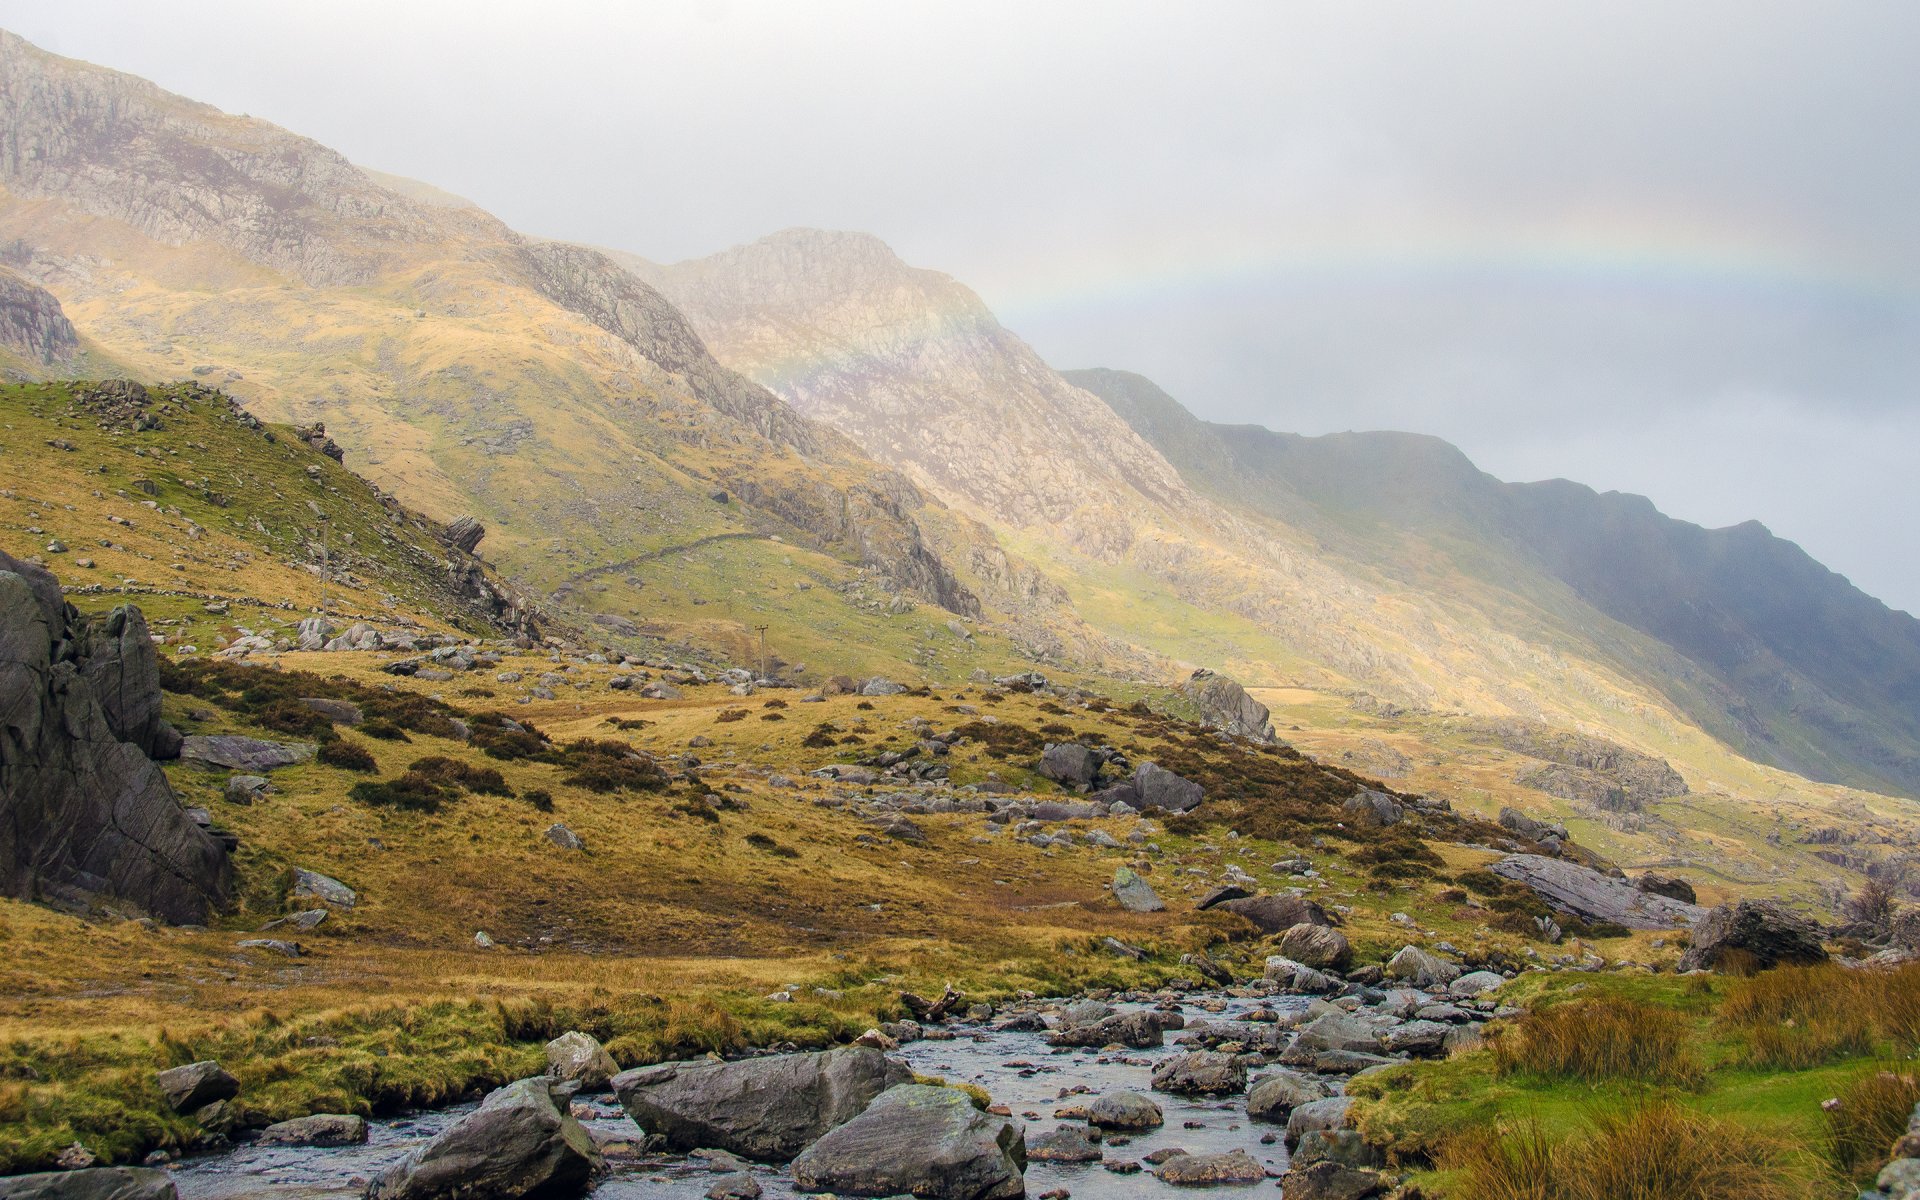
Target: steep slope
[1798,667]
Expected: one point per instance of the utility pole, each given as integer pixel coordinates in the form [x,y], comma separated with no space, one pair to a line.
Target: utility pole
[762,629]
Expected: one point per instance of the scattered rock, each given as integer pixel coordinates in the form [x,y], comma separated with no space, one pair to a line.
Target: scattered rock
[1372,810]
[1331,1181]
[312,885]
[1208,1170]
[927,1141]
[1124,1111]
[321,1129]
[1201,1073]
[1159,788]
[1068,1144]
[1069,763]
[1273,1097]
[236,753]
[737,1186]
[1421,968]
[519,1142]
[564,838]
[340,712]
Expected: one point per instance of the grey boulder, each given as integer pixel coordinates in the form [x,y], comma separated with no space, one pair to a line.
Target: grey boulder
[1124,1111]
[1226,706]
[1069,763]
[519,1142]
[1421,968]
[196,1085]
[1278,913]
[1274,1097]
[767,1109]
[1593,896]
[576,1057]
[1157,787]
[320,1129]
[236,753]
[1201,1073]
[1753,934]
[1318,946]
[929,1142]
[1134,893]
[95,1183]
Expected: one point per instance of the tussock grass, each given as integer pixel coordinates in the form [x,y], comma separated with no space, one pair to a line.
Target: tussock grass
[1798,1017]
[1599,1041]
[1652,1151]
[1871,1114]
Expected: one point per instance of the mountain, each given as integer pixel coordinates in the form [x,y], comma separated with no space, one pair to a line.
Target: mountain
[1806,672]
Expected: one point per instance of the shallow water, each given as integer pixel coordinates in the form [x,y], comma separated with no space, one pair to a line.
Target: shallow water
[978,1055]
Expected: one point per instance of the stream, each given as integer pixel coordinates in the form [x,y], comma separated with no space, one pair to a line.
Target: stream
[1018,1069]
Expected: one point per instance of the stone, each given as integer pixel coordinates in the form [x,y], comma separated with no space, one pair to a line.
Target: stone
[465,534]
[1421,968]
[519,1142]
[245,789]
[1753,935]
[576,1057]
[1134,893]
[98,1183]
[1273,1097]
[1067,1144]
[1069,763]
[880,685]
[737,1186]
[1158,788]
[564,838]
[1318,946]
[1594,896]
[1298,976]
[1277,913]
[312,885]
[1670,886]
[915,1139]
[320,1129]
[86,817]
[1225,706]
[1138,1030]
[767,1109]
[1899,1178]
[1220,895]
[1532,828]
[340,712]
[1210,1170]
[1369,809]
[1332,1181]
[272,946]
[1336,1030]
[1476,983]
[1127,1111]
[1201,1073]
[252,755]
[1419,1039]
[1330,1113]
[117,659]
[196,1085]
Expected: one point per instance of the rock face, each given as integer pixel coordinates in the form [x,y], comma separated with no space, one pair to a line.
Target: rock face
[118,662]
[1592,896]
[100,1183]
[1753,934]
[1226,706]
[32,323]
[84,815]
[768,1109]
[519,1142]
[923,1141]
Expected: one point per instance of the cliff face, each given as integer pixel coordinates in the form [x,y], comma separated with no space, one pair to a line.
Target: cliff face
[32,323]
[85,815]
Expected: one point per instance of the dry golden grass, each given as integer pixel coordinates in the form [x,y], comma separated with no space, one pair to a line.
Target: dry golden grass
[1807,1016]
[1871,1114]
[1599,1041]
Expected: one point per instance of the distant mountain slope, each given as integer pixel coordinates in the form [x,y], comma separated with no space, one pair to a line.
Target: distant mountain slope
[1814,675]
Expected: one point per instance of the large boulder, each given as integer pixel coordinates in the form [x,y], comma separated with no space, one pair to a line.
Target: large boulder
[196,1085]
[1212,1170]
[1069,764]
[86,817]
[1594,896]
[768,1109]
[1226,706]
[1318,946]
[1127,1111]
[94,1183]
[1327,1180]
[576,1057]
[1277,913]
[1421,968]
[1156,787]
[1369,809]
[320,1129]
[1753,935]
[1671,886]
[233,752]
[519,1142]
[929,1142]
[1274,1096]
[1138,1030]
[1134,893]
[1201,1073]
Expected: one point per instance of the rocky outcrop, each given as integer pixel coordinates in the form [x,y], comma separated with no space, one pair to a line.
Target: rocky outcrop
[118,661]
[767,1109]
[1753,935]
[923,1141]
[1593,896]
[32,323]
[520,1142]
[86,817]
[1226,706]
[464,534]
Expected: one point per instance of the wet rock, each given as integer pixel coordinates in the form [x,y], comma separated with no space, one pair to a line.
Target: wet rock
[576,1057]
[1210,1170]
[252,755]
[1068,1144]
[1158,788]
[196,1085]
[1753,934]
[1318,946]
[1134,893]
[99,1183]
[1594,896]
[1274,1096]
[1138,1030]
[1202,1073]
[320,1129]
[1421,968]
[767,1109]
[1278,913]
[1332,1181]
[927,1141]
[1124,1111]
[519,1142]
[737,1186]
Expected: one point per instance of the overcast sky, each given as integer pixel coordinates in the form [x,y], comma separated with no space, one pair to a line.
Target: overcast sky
[1665,248]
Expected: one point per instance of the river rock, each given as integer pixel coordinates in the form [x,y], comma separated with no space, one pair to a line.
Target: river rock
[1593,896]
[97,1183]
[1330,1113]
[1332,1181]
[196,1085]
[1318,946]
[1201,1073]
[1068,1144]
[252,755]
[1226,706]
[519,1142]
[1124,1111]
[1138,1030]
[737,1186]
[1298,976]
[930,1142]
[1134,893]
[576,1057]
[1752,934]
[84,815]
[1210,1170]
[767,1109]
[320,1129]
[1157,787]
[1421,1039]
[1343,1146]
[1278,913]
[1421,968]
